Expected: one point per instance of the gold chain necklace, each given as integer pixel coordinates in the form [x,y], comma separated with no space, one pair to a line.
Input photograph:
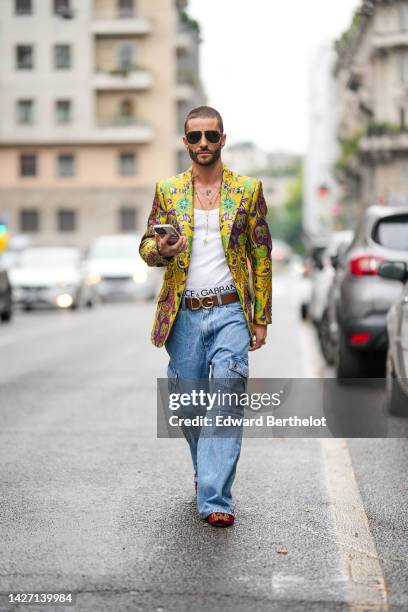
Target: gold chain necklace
[207,192]
[207,214]
[207,211]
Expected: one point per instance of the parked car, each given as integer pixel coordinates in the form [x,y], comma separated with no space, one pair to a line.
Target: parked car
[361,297]
[397,331]
[6,301]
[118,270]
[321,286]
[282,253]
[51,276]
[311,265]
[305,289]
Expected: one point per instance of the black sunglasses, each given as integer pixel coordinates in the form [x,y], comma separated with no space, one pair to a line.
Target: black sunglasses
[211,135]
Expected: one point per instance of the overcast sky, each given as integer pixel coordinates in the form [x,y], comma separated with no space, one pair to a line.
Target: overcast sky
[255,56]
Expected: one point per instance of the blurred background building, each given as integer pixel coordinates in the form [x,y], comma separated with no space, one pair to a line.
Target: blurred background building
[320,188]
[372,93]
[93,96]
[276,169]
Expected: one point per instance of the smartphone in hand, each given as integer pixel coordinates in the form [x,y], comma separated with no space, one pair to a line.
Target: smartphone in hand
[167,229]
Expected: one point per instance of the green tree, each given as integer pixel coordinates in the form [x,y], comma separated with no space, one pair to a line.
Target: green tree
[286,221]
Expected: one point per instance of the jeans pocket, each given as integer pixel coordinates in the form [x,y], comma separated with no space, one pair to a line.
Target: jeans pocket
[238,367]
[171,372]
[172,379]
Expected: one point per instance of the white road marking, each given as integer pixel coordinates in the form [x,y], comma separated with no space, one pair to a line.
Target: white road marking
[365,583]
[366,587]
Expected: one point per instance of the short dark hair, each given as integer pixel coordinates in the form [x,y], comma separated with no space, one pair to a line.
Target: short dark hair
[204,111]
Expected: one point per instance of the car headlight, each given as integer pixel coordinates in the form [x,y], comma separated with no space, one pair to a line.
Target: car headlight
[64,300]
[93,279]
[140,276]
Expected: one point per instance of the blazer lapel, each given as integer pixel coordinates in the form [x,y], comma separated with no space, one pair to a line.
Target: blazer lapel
[182,199]
[231,195]
[183,203]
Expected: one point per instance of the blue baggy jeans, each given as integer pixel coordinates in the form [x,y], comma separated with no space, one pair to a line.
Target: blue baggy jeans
[212,344]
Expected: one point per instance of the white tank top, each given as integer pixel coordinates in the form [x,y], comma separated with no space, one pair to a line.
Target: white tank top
[208,272]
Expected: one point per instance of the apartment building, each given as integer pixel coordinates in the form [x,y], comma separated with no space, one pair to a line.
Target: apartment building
[372,91]
[320,188]
[189,90]
[88,113]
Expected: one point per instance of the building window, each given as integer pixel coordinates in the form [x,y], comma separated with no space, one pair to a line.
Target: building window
[24,57]
[127,164]
[28,165]
[25,111]
[23,7]
[62,57]
[126,8]
[67,220]
[65,165]
[29,220]
[63,8]
[126,53]
[403,67]
[126,112]
[402,117]
[403,10]
[63,111]
[127,219]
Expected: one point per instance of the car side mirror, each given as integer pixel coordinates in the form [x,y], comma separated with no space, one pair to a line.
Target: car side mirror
[393,270]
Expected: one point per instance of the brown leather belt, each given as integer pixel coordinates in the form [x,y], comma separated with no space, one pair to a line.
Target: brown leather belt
[194,303]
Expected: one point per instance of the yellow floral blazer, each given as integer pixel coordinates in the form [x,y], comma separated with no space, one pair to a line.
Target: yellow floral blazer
[244,234]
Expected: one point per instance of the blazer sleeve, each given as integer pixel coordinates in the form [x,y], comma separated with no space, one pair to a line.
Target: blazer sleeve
[259,248]
[148,249]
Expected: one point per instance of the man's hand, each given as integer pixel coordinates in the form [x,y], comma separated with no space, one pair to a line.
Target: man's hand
[168,250]
[259,337]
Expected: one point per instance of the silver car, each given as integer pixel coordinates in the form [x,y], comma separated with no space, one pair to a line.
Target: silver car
[361,297]
[397,330]
[114,264]
[51,276]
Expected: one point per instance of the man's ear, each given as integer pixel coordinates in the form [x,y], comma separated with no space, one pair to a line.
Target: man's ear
[223,139]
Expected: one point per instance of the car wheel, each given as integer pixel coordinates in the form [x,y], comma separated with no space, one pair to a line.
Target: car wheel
[303,312]
[325,340]
[347,362]
[396,399]
[7,313]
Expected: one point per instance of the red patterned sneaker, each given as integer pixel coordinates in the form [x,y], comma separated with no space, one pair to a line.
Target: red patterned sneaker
[220,519]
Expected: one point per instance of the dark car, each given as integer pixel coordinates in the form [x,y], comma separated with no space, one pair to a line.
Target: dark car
[397,330]
[326,324]
[361,297]
[313,263]
[6,302]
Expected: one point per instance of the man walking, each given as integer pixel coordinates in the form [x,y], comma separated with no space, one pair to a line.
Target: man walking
[209,314]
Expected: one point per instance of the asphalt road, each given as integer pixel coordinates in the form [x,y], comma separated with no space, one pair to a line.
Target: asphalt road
[93,503]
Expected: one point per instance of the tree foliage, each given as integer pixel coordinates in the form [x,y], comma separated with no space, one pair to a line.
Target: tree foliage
[286,222]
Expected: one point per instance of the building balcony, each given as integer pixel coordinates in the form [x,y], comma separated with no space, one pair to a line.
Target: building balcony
[122,129]
[383,146]
[122,79]
[184,92]
[111,131]
[116,26]
[183,40]
[390,40]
